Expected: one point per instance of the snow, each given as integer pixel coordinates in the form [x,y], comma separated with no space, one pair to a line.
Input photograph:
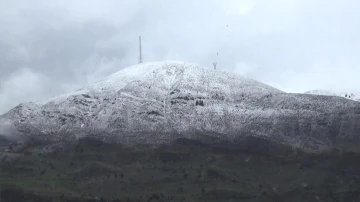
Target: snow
[63,97]
[160,98]
[347,95]
[321,92]
[120,79]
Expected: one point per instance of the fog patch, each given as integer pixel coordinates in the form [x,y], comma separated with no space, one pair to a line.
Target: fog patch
[9,132]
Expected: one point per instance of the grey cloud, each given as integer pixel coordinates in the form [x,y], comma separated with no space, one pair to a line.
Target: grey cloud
[294,45]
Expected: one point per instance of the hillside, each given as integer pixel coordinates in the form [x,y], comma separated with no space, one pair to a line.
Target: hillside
[173,131]
[348,95]
[253,170]
[155,103]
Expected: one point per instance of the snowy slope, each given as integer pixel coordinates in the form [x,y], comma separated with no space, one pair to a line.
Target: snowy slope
[348,95]
[321,92]
[158,102]
[112,83]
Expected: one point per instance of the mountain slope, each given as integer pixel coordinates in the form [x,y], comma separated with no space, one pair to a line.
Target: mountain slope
[347,95]
[155,103]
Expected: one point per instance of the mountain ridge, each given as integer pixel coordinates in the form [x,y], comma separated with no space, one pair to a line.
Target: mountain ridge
[154,103]
[347,95]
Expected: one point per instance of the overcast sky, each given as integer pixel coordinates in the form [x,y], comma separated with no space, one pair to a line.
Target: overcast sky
[51,47]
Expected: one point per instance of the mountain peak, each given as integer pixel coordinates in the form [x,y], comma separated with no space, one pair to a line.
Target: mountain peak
[158,102]
[166,74]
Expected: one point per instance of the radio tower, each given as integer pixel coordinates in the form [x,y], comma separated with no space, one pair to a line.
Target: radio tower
[140,53]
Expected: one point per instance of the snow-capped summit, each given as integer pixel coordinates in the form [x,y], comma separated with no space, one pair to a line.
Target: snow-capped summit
[161,73]
[159,102]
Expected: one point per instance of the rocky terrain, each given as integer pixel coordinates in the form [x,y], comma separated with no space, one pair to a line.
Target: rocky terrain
[173,131]
[154,103]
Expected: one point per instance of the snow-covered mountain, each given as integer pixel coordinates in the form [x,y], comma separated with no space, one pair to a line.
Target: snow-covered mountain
[159,102]
[348,95]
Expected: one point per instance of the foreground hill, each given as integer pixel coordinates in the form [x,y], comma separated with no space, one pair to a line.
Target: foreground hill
[253,170]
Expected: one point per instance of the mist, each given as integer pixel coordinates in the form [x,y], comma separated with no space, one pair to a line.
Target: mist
[8,131]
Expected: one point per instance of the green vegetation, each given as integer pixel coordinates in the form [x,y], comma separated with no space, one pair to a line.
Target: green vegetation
[251,170]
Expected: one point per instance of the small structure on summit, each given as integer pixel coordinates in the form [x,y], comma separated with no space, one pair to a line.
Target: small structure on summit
[140,52]
[215,63]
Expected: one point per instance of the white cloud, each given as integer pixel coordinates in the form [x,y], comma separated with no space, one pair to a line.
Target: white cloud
[245,69]
[236,7]
[23,85]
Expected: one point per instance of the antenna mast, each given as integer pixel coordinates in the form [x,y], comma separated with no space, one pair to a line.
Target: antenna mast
[140,52]
[215,63]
